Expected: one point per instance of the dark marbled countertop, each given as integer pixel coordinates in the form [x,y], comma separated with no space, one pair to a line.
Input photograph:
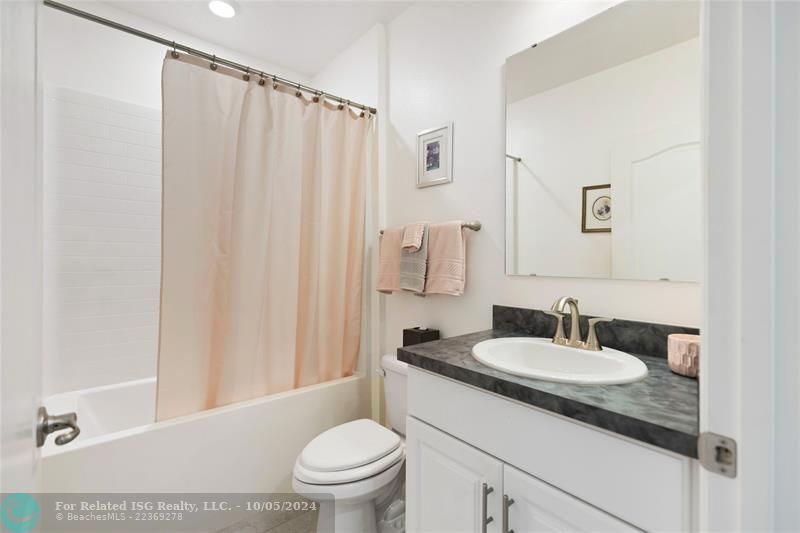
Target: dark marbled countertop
[661,409]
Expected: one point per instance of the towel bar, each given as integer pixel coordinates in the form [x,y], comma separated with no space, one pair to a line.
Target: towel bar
[474,225]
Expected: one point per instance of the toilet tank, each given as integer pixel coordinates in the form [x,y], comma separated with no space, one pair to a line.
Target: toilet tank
[394,392]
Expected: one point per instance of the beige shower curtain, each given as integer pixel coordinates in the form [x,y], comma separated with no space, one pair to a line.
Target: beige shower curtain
[263,236]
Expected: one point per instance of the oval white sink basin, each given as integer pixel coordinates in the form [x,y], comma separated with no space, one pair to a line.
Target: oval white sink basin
[541,359]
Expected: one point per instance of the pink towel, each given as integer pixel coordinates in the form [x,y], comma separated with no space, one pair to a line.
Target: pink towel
[412,236]
[447,250]
[389,260]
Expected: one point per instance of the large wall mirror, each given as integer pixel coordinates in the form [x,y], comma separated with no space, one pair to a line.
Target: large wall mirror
[603,153]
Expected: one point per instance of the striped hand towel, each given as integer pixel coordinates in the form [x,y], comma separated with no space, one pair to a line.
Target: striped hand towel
[414,264]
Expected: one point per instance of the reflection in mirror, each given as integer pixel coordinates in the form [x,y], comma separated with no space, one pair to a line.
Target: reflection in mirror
[603,175]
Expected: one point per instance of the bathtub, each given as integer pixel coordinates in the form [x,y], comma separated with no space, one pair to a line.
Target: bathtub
[104,411]
[246,447]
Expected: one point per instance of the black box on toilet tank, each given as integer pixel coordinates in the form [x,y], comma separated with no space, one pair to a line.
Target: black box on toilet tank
[419,335]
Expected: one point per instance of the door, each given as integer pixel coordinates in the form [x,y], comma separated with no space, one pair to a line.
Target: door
[20,255]
[657,189]
[533,505]
[750,369]
[450,486]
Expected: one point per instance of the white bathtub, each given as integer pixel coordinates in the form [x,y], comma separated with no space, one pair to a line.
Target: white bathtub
[246,447]
[104,410]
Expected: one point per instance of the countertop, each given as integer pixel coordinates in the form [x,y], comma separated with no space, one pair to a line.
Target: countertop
[661,409]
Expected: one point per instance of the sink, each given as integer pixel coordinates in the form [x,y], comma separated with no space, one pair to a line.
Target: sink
[537,358]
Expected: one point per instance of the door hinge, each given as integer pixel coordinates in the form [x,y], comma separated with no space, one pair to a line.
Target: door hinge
[717,453]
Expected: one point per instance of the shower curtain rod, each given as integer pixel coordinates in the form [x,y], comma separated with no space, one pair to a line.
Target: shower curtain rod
[204,55]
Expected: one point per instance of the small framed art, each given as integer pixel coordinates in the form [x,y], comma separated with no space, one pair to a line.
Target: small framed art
[596,216]
[435,156]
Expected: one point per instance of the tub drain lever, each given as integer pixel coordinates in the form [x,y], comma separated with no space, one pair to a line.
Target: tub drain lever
[48,424]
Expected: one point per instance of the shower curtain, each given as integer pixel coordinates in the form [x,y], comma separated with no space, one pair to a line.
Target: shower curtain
[262,239]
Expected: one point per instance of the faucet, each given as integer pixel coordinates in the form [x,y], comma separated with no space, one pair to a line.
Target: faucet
[557,310]
[574,318]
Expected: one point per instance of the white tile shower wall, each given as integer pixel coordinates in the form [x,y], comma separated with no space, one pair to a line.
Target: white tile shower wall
[102,240]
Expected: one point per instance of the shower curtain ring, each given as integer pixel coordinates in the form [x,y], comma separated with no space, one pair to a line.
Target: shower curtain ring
[274,82]
[317,94]
[261,80]
[246,76]
[213,64]
[298,93]
[341,105]
[175,54]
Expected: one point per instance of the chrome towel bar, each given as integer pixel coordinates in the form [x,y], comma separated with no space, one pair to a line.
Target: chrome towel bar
[474,225]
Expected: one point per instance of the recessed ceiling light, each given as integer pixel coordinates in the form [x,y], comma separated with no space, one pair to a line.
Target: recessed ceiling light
[223,8]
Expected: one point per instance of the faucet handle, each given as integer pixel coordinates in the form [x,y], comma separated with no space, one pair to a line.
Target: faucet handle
[559,337]
[592,342]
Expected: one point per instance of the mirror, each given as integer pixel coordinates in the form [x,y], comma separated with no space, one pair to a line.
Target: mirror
[603,153]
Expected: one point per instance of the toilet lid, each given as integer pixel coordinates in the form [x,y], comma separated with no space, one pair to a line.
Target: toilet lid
[348,446]
[339,477]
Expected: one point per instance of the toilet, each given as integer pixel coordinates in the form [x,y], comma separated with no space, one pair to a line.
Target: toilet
[360,464]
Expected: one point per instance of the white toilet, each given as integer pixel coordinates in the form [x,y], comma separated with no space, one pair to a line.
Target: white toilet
[359,463]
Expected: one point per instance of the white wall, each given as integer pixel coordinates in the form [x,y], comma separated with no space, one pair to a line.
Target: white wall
[86,56]
[566,137]
[446,62]
[354,74]
[102,195]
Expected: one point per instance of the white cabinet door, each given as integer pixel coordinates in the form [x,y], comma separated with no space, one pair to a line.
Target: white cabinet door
[446,483]
[539,507]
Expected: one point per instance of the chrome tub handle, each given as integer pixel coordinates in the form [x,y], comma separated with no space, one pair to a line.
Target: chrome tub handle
[47,424]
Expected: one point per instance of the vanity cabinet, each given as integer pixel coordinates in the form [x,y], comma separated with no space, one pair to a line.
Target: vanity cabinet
[452,486]
[562,475]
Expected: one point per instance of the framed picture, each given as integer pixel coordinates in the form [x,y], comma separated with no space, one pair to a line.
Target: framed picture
[435,156]
[596,209]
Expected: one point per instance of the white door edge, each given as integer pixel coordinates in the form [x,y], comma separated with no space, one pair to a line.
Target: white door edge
[20,248]
[749,368]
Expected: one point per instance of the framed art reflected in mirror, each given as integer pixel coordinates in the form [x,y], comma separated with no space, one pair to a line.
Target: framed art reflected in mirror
[596,210]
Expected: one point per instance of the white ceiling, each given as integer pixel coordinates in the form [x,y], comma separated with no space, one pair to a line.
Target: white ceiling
[301,35]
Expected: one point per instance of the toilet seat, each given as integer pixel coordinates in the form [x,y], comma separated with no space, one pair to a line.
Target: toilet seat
[353,474]
[348,445]
[350,452]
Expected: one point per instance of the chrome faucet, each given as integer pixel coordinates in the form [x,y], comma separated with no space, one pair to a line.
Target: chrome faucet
[574,339]
[558,310]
